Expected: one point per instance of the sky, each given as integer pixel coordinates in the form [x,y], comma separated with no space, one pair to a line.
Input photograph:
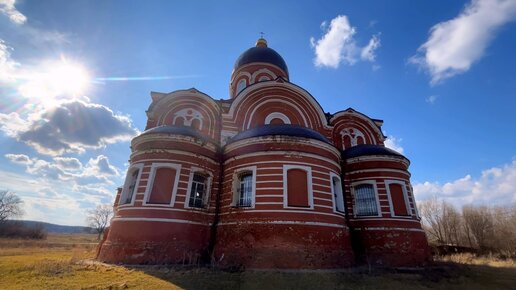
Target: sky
[76,77]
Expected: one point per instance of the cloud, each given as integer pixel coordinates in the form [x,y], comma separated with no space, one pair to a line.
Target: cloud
[368,52]
[7,8]
[19,158]
[338,45]
[59,190]
[495,186]
[454,45]
[72,126]
[431,99]
[68,163]
[97,170]
[394,144]
[100,166]
[7,65]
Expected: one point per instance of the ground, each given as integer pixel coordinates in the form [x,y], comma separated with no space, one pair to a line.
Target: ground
[64,262]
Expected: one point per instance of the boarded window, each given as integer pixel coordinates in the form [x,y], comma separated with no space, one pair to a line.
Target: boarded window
[297,188]
[180,121]
[365,200]
[163,186]
[346,140]
[398,199]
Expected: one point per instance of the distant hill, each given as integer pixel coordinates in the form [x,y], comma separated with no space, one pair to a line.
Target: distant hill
[58,229]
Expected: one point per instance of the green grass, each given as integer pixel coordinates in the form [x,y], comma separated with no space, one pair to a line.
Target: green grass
[64,262]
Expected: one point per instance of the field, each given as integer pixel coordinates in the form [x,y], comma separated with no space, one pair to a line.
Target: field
[64,262]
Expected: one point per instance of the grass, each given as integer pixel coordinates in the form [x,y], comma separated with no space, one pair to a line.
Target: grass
[64,262]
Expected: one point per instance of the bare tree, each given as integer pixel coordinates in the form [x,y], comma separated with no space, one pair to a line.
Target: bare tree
[98,218]
[432,214]
[480,223]
[10,205]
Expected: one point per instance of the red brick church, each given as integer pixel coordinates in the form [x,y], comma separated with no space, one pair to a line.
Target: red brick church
[265,179]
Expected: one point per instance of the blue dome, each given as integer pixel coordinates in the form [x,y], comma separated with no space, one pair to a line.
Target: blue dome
[285,130]
[367,149]
[261,54]
[178,130]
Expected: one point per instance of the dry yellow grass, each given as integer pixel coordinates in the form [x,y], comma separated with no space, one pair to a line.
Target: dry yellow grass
[64,262]
[470,259]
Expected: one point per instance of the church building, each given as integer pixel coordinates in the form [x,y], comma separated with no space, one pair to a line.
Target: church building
[265,180]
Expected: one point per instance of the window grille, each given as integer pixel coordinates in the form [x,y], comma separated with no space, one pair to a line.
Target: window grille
[365,200]
[197,191]
[245,190]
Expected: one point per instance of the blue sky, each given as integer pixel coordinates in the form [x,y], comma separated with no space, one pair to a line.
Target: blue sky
[441,74]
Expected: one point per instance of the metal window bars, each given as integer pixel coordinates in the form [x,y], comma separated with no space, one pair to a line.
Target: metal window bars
[245,190]
[365,200]
[197,191]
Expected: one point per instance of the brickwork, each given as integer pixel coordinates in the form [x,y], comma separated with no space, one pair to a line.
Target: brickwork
[306,190]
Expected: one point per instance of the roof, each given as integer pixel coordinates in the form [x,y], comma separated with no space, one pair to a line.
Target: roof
[367,149]
[284,130]
[178,130]
[261,54]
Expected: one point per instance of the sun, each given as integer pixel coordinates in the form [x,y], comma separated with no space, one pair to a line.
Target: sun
[67,77]
[54,81]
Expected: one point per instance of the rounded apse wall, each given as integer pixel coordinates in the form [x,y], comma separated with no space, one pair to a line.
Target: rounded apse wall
[167,205]
[277,208]
[387,231]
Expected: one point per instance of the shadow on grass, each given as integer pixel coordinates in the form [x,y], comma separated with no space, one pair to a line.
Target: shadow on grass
[437,276]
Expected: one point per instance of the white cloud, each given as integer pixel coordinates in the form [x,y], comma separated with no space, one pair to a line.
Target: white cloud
[394,143]
[100,166]
[338,46]
[368,52]
[68,163]
[19,159]
[7,65]
[7,8]
[495,186]
[71,126]
[54,189]
[454,45]
[431,99]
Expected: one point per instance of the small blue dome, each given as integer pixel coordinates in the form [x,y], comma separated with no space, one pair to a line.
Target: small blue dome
[285,130]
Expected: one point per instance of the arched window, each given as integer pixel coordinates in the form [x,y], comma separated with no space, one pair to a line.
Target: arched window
[196,124]
[263,79]
[277,118]
[245,189]
[244,183]
[276,121]
[131,184]
[352,137]
[338,198]
[397,193]
[241,85]
[179,121]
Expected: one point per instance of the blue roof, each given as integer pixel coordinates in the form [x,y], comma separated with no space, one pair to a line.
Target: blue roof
[285,130]
[367,149]
[261,54]
[178,130]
